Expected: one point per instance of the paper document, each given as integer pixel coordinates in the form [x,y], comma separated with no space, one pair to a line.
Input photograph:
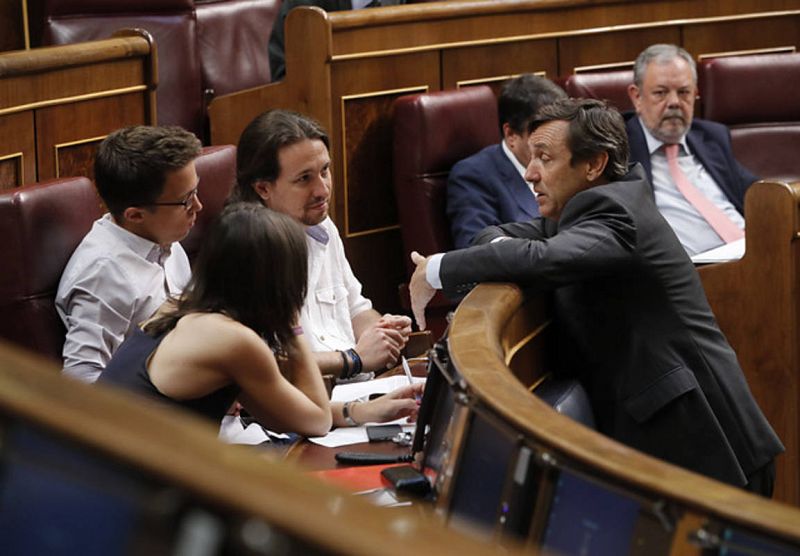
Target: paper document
[343,436]
[358,390]
[732,251]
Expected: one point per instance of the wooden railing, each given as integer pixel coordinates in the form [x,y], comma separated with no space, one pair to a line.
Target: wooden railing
[686,512]
[58,103]
[155,471]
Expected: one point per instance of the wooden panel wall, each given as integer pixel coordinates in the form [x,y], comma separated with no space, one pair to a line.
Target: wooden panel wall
[364,58]
[756,303]
[57,104]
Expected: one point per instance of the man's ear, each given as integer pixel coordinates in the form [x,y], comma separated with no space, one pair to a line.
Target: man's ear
[635,95]
[262,188]
[133,214]
[596,165]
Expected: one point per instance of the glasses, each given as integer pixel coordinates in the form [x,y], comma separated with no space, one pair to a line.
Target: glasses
[187,203]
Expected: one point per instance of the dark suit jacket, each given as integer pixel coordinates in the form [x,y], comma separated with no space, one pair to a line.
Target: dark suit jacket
[277,54]
[485,190]
[634,326]
[711,144]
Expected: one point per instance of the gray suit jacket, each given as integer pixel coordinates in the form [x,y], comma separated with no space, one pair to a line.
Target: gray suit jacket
[634,325]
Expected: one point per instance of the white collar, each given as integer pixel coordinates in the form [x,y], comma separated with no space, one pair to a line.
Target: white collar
[143,247]
[520,168]
[654,144]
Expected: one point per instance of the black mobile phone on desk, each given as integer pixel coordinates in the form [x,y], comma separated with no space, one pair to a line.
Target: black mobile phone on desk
[407,479]
[380,433]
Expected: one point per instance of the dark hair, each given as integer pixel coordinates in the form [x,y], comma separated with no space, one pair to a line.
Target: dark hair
[259,144]
[521,97]
[660,54]
[132,163]
[252,267]
[594,127]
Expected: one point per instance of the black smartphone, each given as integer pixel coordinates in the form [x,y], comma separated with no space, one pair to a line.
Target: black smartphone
[407,479]
[380,433]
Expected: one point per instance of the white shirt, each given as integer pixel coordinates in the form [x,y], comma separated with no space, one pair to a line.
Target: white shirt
[334,295]
[113,281]
[693,231]
[516,163]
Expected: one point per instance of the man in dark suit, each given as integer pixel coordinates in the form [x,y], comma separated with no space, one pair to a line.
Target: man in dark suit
[277,53]
[663,93]
[632,320]
[489,188]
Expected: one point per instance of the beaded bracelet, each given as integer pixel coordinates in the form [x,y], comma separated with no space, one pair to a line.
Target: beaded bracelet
[357,364]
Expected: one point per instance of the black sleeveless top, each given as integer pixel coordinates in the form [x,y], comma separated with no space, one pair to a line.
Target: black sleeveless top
[128,369]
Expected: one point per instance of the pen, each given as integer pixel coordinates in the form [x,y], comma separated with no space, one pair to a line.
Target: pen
[407,370]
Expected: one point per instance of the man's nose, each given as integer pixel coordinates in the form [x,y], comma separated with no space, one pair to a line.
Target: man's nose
[673,99]
[197,206]
[321,186]
[532,172]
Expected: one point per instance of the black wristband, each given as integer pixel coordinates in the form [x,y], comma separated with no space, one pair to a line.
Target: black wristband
[357,364]
[345,366]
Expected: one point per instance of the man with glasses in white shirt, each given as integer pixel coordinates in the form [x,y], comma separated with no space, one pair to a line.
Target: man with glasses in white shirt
[130,262]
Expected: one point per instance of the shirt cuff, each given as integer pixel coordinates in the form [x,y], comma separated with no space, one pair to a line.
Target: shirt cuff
[432,271]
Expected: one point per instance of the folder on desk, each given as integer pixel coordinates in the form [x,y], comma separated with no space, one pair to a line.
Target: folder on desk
[355,478]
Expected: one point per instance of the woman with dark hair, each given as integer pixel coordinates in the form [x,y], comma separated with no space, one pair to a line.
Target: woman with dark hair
[233,334]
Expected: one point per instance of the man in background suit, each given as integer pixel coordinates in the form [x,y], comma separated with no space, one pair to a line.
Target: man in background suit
[663,93]
[632,320]
[277,53]
[489,188]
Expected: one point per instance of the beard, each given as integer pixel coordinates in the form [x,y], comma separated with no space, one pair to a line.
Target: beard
[671,127]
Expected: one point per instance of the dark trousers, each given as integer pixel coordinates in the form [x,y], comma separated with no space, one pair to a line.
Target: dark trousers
[762,481]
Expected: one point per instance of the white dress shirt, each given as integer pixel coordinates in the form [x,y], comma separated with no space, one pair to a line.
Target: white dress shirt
[693,231]
[113,281]
[516,163]
[334,294]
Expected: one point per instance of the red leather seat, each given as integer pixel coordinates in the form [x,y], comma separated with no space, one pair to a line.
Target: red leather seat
[432,132]
[172,24]
[216,169]
[756,97]
[205,47]
[41,225]
[232,40]
[608,85]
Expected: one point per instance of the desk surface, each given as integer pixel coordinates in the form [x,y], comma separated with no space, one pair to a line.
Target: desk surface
[313,457]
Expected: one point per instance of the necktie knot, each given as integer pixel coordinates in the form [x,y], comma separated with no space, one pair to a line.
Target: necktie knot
[671,151]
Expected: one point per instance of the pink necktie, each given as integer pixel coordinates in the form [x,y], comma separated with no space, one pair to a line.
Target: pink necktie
[716,218]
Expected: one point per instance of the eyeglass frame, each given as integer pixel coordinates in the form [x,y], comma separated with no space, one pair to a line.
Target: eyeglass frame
[186,203]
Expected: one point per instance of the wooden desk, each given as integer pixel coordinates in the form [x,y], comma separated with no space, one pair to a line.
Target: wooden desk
[313,457]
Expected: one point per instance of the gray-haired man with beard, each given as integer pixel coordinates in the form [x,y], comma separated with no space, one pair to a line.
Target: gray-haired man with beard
[698,184]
